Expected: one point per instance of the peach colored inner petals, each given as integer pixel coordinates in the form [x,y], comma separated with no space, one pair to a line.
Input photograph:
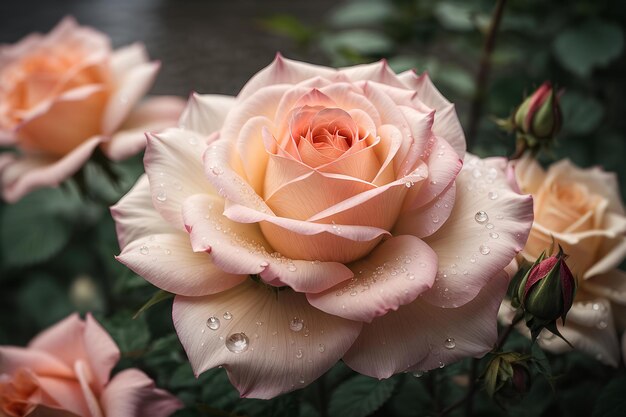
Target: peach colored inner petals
[319,135]
[16,393]
[41,76]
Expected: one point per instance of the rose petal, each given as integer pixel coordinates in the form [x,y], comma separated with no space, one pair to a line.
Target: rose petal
[169,262]
[611,285]
[42,363]
[83,376]
[421,336]
[65,394]
[283,71]
[394,274]
[73,339]
[173,162]
[472,248]
[126,58]
[205,113]
[131,393]
[276,359]
[151,115]
[428,219]
[241,249]
[251,150]
[446,124]
[131,88]
[135,216]
[378,71]
[56,130]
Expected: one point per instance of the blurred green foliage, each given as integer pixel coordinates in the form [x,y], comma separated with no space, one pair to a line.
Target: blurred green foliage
[57,247]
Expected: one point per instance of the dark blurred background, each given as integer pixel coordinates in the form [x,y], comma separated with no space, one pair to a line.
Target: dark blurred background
[204,45]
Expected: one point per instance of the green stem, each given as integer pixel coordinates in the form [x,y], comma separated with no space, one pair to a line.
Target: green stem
[482,76]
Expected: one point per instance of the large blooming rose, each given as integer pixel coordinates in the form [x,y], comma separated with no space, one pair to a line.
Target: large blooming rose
[581,209]
[323,214]
[64,372]
[65,93]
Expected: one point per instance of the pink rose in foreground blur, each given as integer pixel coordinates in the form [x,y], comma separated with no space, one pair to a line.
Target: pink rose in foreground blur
[582,210]
[323,214]
[65,93]
[64,372]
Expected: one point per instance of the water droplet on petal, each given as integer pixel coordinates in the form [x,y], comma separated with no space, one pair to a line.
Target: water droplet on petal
[484,249]
[481,217]
[237,342]
[213,323]
[217,171]
[192,140]
[494,235]
[449,343]
[492,195]
[410,276]
[489,226]
[602,325]
[418,374]
[299,354]
[144,250]
[296,324]
[161,195]
[292,268]
[227,315]
[441,365]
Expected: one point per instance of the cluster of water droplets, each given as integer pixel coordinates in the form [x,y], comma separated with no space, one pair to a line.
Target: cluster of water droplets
[153,247]
[392,269]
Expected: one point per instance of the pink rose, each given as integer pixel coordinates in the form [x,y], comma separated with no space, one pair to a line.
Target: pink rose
[64,372]
[323,214]
[581,209]
[65,93]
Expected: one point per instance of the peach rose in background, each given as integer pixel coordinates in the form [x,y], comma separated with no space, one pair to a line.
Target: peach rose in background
[323,214]
[581,209]
[65,372]
[65,93]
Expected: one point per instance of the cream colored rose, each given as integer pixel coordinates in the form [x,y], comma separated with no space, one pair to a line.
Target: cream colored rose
[581,209]
[67,92]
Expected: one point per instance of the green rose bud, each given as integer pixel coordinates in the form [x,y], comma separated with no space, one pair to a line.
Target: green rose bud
[546,293]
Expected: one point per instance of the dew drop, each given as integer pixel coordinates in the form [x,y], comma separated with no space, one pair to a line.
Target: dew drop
[296,324]
[353,293]
[435,218]
[602,325]
[237,342]
[481,217]
[292,268]
[192,140]
[213,323]
[168,252]
[484,249]
[494,235]
[299,354]
[227,315]
[410,276]
[217,171]
[144,250]
[596,306]
[492,195]
[418,374]
[321,348]
[441,365]
[161,195]
[449,343]
[489,226]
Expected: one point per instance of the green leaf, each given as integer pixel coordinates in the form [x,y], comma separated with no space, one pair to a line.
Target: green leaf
[289,26]
[35,229]
[360,396]
[361,13]
[44,300]
[593,44]
[612,401]
[156,298]
[457,16]
[131,335]
[581,114]
[183,377]
[358,41]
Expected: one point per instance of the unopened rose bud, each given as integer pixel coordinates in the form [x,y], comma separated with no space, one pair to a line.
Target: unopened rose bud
[546,293]
[507,375]
[539,118]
